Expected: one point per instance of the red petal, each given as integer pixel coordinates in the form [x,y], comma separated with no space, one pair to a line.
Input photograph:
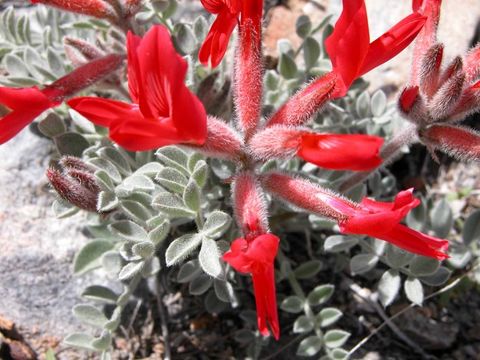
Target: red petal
[26,104]
[161,72]
[215,45]
[348,45]
[408,98]
[236,256]
[104,112]
[341,152]
[133,41]
[213,6]
[266,301]
[16,98]
[417,242]
[392,42]
[263,249]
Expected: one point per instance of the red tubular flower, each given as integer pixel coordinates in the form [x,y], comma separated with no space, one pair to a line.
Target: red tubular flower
[256,257]
[96,8]
[164,112]
[382,220]
[350,49]
[228,12]
[331,151]
[26,104]
[341,152]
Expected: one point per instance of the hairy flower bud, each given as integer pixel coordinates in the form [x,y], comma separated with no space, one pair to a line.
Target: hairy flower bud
[87,50]
[447,97]
[76,183]
[430,70]
[458,141]
[97,8]
[306,102]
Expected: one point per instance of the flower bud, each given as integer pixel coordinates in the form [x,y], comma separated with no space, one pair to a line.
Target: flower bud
[97,8]
[76,183]
[458,141]
[430,70]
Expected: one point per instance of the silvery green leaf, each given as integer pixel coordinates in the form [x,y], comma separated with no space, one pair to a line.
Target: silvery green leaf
[417,218]
[302,325]
[328,316]
[378,246]
[160,5]
[287,67]
[106,201]
[191,195]
[171,205]
[362,105]
[414,290]
[189,271]
[70,143]
[104,180]
[200,27]
[335,338]
[151,169]
[160,232]
[378,103]
[272,80]
[308,269]
[320,295]
[135,210]
[311,52]
[184,38]
[309,346]
[112,263]
[284,46]
[82,122]
[62,209]
[114,320]
[338,354]
[103,341]
[200,284]
[100,293]
[172,180]
[128,230]
[170,10]
[135,183]
[117,158]
[52,125]
[397,257]
[292,304]
[108,167]
[80,340]
[144,249]
[55,62]
[442,219]
[440,277]
[213,304]
[151,268]
[144,17]
[223,290]
[222,169]
[15,66]
[244,336]
[90,315]
[193,159]
[89,257]
[339,243]
[181,247]
[303,26]
[130,270]
[174,157]
[209,258]
[363,263]
[200,173]
[217,224]
[389,286]
[460,255]
[471,228]
[423,266]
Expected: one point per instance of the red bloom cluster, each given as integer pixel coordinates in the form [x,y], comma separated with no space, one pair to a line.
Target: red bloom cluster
[164,111]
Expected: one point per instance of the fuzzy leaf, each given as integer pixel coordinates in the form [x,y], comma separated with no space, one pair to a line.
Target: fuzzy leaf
[309,346]
[128,230]
[414,290]
[174,157]
[329,316]
[191,196]
[292,304]
[130,270]
[80,340]
[335,338]
[442,219]
[471,229]
[363,263]
[302,325]
[339,243]
[423,266]
[172,179]
[171,205]
[200,284]
[100,294]
[107,201]
[308,269]
[320,294]
[70,143]
[89,257]
[52,125]
[90,315]
[181,247]
[389,286]
[160,233]
[209,258]
[217,223]
[189,271]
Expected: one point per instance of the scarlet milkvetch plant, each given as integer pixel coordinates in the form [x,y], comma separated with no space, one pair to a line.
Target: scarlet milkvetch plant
[138,215]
